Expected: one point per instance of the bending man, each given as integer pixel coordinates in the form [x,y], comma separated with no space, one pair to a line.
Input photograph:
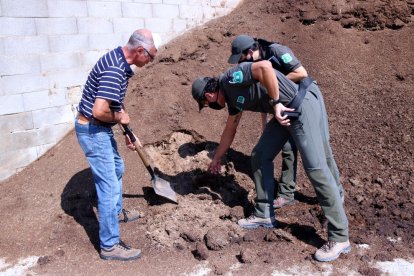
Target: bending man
[246,48]
[255,87]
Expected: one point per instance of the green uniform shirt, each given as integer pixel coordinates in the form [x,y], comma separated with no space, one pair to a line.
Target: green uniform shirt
[285,61]
[243,92]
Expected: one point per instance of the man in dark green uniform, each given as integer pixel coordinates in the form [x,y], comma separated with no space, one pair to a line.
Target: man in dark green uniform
[258,87]
[246,48]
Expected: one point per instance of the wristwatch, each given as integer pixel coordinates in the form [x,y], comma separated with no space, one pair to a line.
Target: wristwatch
[274,102]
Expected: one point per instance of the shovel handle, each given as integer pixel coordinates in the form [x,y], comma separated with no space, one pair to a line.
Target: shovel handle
[131,135]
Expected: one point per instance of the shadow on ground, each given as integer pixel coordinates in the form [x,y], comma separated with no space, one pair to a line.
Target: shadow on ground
[78,199]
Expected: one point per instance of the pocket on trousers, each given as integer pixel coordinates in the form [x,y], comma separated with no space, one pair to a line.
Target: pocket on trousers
[86,143]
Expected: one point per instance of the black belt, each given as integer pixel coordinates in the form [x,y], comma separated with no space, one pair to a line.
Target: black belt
[298,99]
[96,122]
[302,89]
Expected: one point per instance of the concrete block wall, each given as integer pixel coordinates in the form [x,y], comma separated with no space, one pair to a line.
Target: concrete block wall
[47,48]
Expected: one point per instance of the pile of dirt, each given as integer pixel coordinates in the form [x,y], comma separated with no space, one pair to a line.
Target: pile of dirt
[361,54]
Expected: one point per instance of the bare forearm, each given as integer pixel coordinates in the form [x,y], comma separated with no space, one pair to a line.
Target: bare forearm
[298,74]
[228,136]
[102,112]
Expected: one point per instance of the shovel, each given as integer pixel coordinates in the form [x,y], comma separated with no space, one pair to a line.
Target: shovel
[161,186]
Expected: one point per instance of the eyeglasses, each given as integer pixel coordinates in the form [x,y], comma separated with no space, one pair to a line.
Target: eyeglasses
[148,53]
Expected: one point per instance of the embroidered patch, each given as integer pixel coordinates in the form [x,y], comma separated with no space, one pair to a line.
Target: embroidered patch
[286,58]
[240,99]
[237,77]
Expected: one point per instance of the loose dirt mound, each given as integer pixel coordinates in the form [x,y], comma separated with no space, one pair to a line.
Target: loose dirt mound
[360,52]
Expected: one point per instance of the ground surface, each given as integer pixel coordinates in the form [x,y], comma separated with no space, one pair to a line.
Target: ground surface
[361,54]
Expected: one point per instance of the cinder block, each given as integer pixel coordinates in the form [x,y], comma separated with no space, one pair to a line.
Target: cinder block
[216,3]
[17,26]
[222,11]
[53,133]
[68,43]
[104,9]
[200,2]
[231,4]
[95,26]
[194,22]
[209,12]
[59,61]
[89,58]
[67,8]
[177,2]
[42,149]
[24,8]
[19,64]
[179,25]
[136,10]
[57,97]
[52,116]
[11,104]
[18,84]
[105,41]
[35,100]
[67,78]
[16,122]
[165,11]
[127,25]
[148,1]
[74,94]
[18,44]
[188,11]
[159,25]
[24,139]
[15,159]
[56,26]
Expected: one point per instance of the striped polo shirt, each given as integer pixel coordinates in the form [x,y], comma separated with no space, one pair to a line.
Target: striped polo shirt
[108,79]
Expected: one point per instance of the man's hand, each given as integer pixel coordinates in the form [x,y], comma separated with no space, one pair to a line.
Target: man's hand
[128,143]
[279,109]
[215,166]
[123,117]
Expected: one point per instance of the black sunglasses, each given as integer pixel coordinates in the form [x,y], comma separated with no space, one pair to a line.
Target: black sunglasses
[148,53]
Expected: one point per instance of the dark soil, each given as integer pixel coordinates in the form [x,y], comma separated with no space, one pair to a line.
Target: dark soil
[361,54]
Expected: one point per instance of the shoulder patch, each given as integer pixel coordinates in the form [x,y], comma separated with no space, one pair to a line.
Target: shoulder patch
[240,99]
[286,58]
[237,77]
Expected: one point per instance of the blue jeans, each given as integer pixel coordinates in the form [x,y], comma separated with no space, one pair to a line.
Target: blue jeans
[99,146]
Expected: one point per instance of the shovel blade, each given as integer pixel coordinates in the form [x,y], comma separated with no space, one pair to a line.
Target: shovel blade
[163,188]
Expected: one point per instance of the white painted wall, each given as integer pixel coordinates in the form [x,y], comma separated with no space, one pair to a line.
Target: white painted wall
[47,48]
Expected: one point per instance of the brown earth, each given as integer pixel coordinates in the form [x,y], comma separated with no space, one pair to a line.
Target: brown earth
[361,54]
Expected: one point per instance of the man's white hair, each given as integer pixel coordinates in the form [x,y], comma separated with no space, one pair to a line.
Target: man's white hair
[138,39]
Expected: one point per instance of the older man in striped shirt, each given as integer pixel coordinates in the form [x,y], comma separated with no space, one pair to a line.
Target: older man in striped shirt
[100,108]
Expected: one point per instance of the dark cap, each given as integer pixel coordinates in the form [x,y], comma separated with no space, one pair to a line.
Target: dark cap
[197,90]
[239,44]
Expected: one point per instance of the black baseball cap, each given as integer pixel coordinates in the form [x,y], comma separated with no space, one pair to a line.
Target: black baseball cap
[197,90]
[239,44]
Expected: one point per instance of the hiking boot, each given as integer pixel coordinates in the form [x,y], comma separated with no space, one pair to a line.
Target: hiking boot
[120,252]
[129,215]
[254,222]
[331,250]
[280,202]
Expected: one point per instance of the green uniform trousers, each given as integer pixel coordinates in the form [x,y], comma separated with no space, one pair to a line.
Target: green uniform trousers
[307,133]
[287,182]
